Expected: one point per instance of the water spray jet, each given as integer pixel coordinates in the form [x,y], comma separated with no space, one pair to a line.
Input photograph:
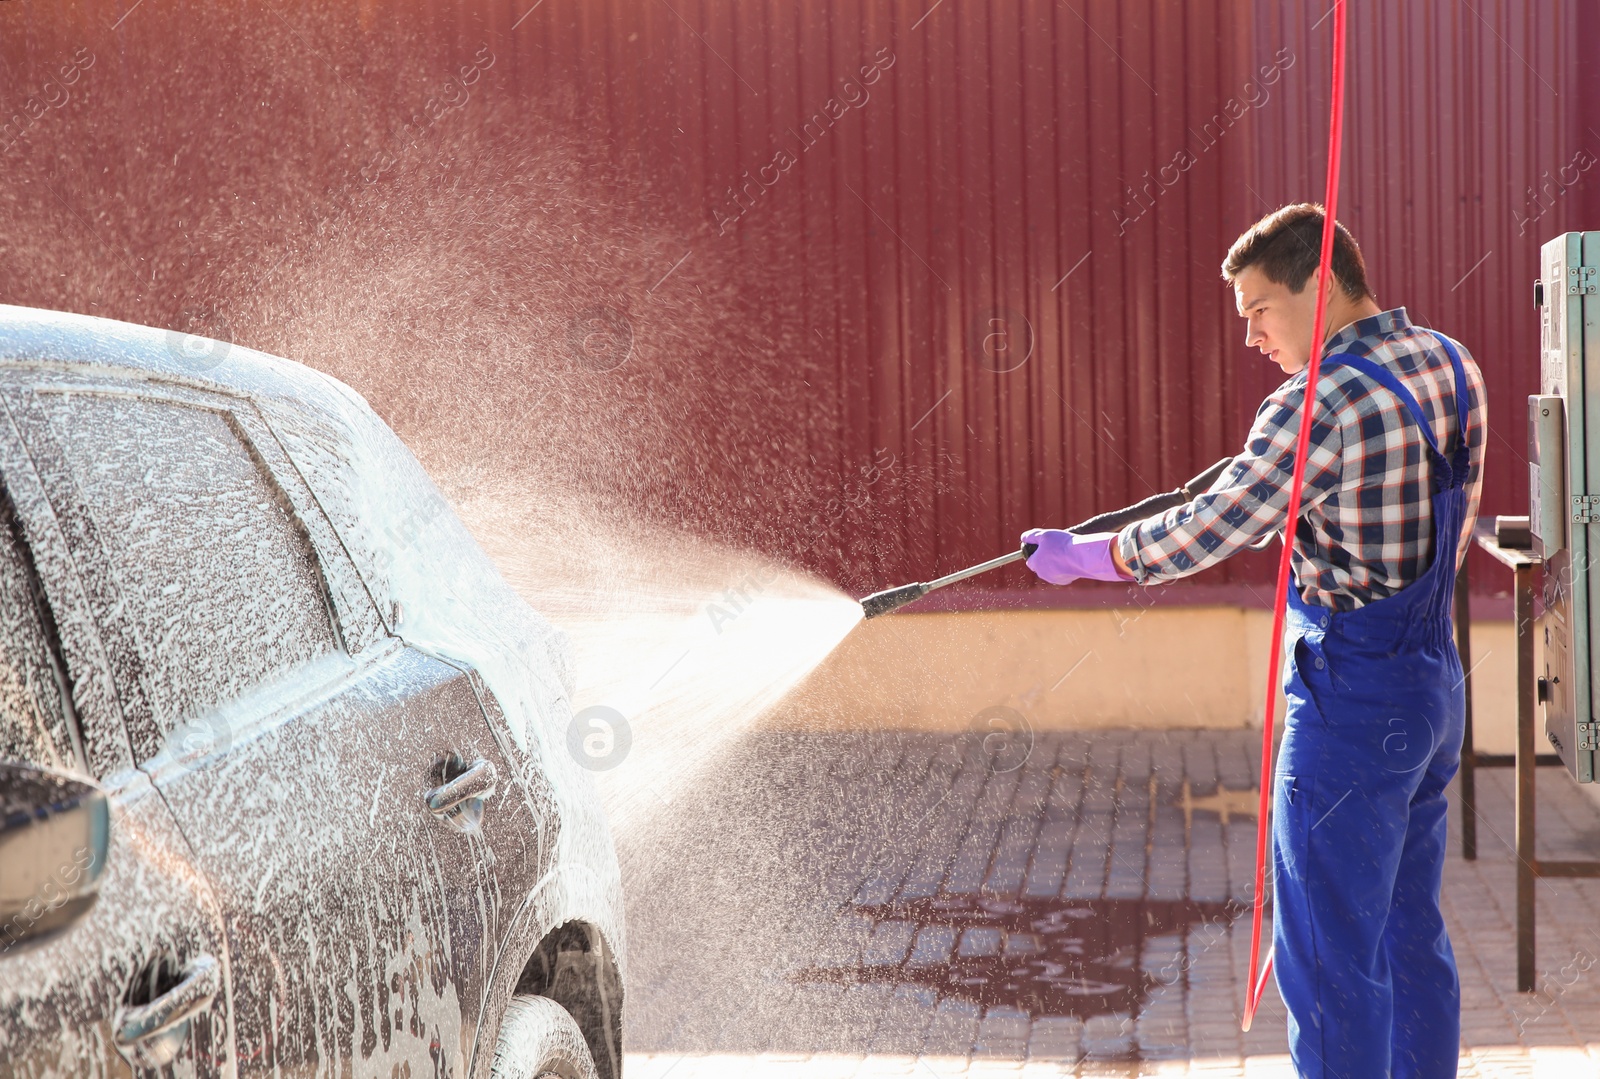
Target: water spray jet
[1113,520]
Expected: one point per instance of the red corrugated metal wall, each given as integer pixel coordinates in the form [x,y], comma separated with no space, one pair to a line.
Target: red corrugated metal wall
[999,260]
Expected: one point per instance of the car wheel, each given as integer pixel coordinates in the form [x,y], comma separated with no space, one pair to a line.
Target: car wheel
[539,1038]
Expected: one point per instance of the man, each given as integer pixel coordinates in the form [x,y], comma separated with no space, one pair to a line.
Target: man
[1374,684]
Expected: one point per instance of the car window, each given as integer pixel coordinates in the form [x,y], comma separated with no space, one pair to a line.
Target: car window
[221,584]
[34,718]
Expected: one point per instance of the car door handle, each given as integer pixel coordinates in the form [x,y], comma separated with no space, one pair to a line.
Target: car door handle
[157,1030]
[477,782]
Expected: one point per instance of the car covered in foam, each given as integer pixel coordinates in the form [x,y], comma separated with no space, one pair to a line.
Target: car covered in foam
[284,785]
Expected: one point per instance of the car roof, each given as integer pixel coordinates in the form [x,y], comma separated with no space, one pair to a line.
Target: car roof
[34,336]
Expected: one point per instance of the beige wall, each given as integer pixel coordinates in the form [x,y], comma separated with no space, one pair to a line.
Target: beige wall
[1160,668]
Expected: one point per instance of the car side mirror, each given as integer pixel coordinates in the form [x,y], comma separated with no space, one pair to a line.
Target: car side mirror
[55,830]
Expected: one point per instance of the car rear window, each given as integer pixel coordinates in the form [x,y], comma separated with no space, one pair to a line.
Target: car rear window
[223,586]
[33,712]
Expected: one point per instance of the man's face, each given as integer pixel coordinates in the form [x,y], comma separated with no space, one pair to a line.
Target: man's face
[1277,321]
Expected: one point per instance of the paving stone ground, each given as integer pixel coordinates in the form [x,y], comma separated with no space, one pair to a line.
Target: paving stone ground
[1070,904]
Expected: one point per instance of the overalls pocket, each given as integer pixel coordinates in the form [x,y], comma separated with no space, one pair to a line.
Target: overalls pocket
[1311,659]
[1310,686]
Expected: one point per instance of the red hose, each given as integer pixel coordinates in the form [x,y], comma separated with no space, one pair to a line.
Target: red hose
[1257,985]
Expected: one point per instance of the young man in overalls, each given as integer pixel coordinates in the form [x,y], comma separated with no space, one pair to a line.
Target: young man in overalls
[1374,685]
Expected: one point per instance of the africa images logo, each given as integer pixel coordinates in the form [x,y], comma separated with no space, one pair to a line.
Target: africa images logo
[1254,95]
[853,94]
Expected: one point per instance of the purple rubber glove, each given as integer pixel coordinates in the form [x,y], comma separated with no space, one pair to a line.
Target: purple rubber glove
[1064,557]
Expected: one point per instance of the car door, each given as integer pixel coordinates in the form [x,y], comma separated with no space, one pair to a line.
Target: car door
[328,778]
[141,979]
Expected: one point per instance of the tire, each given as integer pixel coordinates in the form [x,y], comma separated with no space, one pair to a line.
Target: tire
[539,1038]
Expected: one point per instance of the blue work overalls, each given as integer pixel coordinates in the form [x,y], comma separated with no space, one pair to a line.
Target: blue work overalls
[1371,738]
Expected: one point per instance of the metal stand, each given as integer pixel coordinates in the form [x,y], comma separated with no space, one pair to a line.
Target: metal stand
[1524,566]
[1469,755]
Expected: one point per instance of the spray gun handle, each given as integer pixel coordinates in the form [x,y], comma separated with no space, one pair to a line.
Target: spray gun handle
[1117,520]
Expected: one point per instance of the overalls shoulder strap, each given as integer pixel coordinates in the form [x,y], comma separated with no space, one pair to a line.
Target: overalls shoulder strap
[1390,381]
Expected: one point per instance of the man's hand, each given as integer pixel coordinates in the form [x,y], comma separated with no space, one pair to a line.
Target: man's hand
[1064,557]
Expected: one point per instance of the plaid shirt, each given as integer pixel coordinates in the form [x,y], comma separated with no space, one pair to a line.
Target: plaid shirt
[1366,527]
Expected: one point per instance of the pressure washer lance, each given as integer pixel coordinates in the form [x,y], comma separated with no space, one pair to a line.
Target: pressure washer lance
[884,602]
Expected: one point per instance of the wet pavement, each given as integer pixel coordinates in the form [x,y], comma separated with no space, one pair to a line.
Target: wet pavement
[1075,904]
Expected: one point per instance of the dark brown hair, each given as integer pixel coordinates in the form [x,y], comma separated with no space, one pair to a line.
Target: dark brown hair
[1286,244]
